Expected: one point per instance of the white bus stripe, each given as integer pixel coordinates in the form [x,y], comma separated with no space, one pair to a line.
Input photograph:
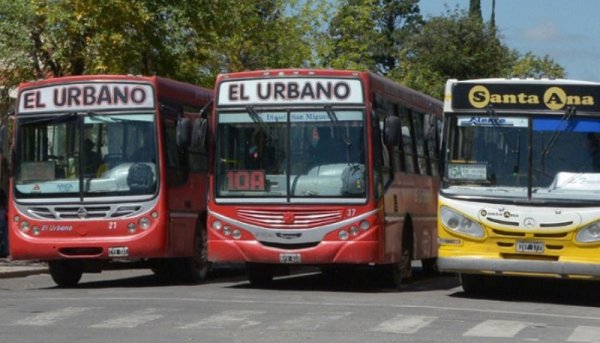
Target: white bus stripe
[237,319]
[497,328]
[309,321]
[131,320]
[585,334]
[404,324]
[48,318]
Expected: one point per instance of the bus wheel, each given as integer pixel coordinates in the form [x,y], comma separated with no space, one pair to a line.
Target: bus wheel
[260,275]
[401,270]
[66,273]
[194,269]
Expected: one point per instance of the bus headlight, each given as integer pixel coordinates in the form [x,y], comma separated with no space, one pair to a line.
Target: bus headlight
[144,223]
[589,233]
[460,224]
[217,225]
[24,226]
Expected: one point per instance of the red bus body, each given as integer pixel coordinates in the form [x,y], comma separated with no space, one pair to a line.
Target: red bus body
[394,216]
[58,213]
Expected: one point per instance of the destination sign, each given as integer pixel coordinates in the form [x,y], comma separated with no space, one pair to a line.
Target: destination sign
[526,96]
[86,97]
[290,91]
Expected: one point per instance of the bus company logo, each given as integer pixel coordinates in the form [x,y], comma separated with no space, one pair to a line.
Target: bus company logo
[289,217]
[554,98]
[529,223]
[82,213]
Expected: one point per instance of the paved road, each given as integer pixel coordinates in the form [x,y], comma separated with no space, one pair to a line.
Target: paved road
[134,306]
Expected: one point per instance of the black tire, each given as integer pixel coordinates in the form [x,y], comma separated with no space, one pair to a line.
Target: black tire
[401,270]
[194,269]
[260,275]
[66,273]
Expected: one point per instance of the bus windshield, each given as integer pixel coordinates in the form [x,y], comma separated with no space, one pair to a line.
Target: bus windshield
[85,155]
[297,155]
[489,156]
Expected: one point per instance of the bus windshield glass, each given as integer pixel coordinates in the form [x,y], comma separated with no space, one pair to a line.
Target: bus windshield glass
[297,155]
[489,156]
[85,155]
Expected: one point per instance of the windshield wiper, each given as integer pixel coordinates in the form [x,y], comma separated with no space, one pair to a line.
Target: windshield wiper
[67,116]
[565,118]
[258,120]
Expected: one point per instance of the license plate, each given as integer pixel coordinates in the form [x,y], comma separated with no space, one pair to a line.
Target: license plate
[118,251]
[530,247]
[290,258]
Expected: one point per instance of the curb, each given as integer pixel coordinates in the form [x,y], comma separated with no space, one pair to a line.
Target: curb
[14,272]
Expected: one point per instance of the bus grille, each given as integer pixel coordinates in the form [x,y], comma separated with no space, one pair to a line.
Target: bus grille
[84,212]
[290,219]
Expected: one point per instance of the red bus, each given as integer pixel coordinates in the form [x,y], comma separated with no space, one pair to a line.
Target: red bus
[107,169]
[329,168]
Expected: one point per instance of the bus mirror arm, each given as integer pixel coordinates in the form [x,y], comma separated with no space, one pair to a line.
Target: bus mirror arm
[198,140]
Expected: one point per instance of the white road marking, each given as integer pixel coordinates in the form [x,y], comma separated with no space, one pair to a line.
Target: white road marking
[226,319]
[309,321]
[404,324]
[585,334]
[131,320]
[497,328]
[51,317]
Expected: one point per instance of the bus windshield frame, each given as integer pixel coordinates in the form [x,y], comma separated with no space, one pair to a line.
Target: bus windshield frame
[86,154]
[523,157]
[291,155]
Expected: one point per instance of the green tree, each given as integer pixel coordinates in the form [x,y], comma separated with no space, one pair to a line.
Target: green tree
[368,35]
[530,65]
[461,46]
[189,40]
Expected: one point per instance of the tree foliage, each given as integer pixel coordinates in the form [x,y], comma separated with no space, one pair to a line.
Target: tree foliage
[194,40]
[368,35]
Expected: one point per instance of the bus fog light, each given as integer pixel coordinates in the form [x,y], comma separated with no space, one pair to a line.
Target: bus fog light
[35,230]
[227,231]
[364,225]
[217,225]
[343,235]
[459,223]
[145,223]
[24,226]
[236,234]
[354,230]
[131,227]
[589,233]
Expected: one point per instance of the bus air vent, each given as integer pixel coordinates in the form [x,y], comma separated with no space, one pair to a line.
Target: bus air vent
[74,212]
[125,211]
[290,219]
[290,246]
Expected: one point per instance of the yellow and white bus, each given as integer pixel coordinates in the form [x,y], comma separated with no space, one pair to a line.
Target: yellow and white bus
[520,193]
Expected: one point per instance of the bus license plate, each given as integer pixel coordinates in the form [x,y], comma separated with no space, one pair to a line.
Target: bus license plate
[290,258]
[530,247]
[118,251]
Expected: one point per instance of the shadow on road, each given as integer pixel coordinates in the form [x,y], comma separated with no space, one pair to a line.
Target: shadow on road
[539,290]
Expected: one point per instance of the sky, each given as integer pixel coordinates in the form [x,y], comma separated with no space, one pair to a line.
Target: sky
[568,31]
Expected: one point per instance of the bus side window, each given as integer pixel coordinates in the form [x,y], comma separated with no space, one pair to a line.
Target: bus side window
[408,149]
[176,160]
[420,144]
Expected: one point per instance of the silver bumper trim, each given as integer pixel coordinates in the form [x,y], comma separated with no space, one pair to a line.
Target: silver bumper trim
[500,266]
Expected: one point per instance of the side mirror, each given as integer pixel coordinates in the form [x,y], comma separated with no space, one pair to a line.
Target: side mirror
[392,129]
[183,133]
[199,134]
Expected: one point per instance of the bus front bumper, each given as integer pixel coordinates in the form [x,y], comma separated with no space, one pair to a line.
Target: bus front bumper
[476,265]
[356,252]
